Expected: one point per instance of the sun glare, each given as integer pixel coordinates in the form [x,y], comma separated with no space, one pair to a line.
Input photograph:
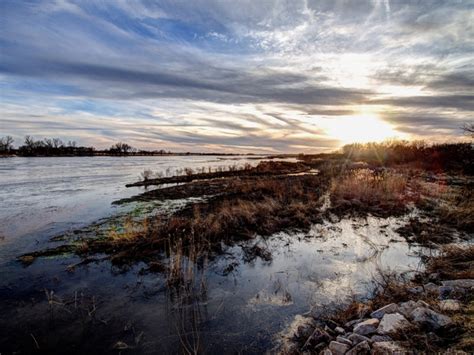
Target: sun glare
[360,129]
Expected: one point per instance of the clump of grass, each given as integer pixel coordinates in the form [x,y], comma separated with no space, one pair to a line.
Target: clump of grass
[380,192]
[454,262]
[458,210]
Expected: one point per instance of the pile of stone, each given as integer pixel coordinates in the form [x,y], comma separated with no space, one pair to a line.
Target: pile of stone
[377,334]
[374,334]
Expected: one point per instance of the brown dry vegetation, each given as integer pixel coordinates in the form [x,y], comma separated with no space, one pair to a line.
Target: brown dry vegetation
[264,168]
[440,157]
[382,193]
[246,207]
[454,262]
[269,198]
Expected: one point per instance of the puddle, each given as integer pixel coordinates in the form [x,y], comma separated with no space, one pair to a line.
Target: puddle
[232,302]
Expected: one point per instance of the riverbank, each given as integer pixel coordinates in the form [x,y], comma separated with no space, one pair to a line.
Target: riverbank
[432,312]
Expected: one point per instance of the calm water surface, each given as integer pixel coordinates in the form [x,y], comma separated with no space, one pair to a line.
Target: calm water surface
[46,196]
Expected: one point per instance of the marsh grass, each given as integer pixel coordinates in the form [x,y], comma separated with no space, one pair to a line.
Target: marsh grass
[454,262]
[381,192]
[457,208]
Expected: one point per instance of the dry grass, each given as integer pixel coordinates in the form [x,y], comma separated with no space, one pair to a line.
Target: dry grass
[249,207]
[454,262]
[459,209]
[435,157]
[380,192]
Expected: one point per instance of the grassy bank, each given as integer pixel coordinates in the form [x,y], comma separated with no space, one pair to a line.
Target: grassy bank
[277,196]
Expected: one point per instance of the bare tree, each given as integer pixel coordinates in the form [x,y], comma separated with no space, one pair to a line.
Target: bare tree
[6,144]
[121,148]
[57,143]
[468,129]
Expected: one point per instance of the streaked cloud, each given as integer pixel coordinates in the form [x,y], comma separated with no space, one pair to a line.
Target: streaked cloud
[234,75]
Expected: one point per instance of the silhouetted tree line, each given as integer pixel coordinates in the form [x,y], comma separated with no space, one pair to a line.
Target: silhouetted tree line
[49,147]
[449,156]
[56,147]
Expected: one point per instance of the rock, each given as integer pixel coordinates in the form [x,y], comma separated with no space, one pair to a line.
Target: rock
[368,326]
[450,305]
[339,330]
[120,345]
[430,319]
[326,352]
[463,283]
[338,348]
[379,313]
[357,338]
[445,291]
[421,303]
[389,347]
[416,290]
[379,338]
[406,308]
[392,323]
[331,324]
[351,323]
[362,348]
[430,287]
[344,340]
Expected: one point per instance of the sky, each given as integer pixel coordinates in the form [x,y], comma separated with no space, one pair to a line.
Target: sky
[266,76]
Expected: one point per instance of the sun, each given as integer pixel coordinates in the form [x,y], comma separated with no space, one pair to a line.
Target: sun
[360,129]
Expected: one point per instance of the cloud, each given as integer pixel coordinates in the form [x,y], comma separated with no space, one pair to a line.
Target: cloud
[233,75]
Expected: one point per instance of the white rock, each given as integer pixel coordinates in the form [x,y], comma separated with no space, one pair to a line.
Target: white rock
[389,308]
[360,349]
[430,319]
[392,323]
[339,330]
[338,348]
[463,283]
[326,352]
[368,326]
[449,305]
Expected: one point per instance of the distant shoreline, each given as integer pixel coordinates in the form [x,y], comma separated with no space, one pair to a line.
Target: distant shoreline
[99,154]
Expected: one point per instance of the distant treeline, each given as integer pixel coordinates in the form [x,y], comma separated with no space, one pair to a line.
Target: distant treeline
[50,147]
[416,154]
[448,156]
